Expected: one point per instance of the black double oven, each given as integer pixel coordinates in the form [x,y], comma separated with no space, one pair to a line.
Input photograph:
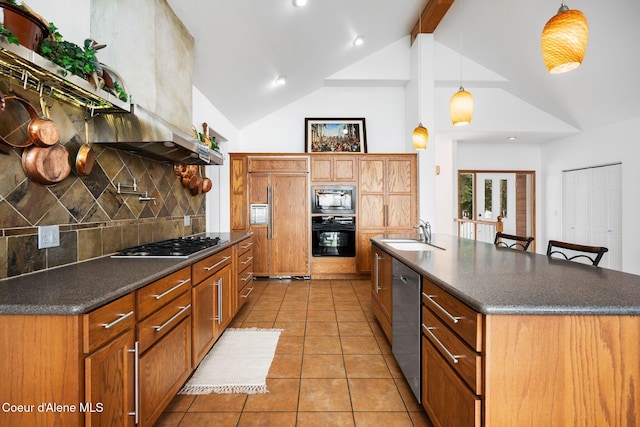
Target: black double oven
[333,222]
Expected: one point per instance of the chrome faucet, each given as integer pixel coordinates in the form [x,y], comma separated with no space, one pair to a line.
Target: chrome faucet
[425,230]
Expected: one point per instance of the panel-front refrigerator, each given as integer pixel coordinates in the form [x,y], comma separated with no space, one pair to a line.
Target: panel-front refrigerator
[279,204]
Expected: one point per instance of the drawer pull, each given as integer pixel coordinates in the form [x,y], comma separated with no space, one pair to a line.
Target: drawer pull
[174,317]
[247,261]
[454,319]
[247,245]
[118,320]
[136,387]
[247,277]
[247,294]
[165,293]
[217,263]
[452,356]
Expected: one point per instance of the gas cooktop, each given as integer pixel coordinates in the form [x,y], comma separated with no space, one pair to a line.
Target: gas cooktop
[181,247]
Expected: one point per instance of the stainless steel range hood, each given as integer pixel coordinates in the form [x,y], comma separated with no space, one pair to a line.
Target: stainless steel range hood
[147,135]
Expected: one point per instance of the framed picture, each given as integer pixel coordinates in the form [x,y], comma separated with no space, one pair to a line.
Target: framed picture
[335,135]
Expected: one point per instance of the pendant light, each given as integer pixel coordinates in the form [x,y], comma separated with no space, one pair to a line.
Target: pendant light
[461,104]
[420,134]
[564,40]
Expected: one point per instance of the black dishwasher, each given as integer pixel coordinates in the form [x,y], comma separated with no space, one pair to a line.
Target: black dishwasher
[406,323]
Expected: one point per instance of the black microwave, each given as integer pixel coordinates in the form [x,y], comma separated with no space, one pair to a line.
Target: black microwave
[333,199]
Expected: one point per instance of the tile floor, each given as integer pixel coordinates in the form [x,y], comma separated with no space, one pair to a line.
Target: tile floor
[333,365]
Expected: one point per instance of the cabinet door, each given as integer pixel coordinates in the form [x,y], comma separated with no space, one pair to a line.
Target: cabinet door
[372,175]
[222,300]
[445,396]
[163,369]
[321,168]
[202,317]
[238,182]
[290,242]
[381,280]
[401,193]
[109,382]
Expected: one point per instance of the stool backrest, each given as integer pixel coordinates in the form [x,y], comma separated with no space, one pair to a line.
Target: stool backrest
[574,251]
[515,242]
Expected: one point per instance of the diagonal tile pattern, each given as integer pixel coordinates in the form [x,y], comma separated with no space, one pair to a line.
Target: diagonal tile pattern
[333,365]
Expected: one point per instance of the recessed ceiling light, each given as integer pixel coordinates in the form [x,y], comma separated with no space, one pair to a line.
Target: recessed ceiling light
[281,81]
[299,3]
[512,138]
[358,41]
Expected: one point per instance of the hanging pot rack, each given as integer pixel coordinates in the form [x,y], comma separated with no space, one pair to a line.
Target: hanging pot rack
[38,74]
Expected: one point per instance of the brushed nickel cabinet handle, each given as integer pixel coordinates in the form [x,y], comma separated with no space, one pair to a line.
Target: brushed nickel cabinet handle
[118,320]
[247,261]
[217,263]
[247,277]
[247,245]
[454,358]
[174,317]
[167,292]
[247,294]
[136,387]
[451,317]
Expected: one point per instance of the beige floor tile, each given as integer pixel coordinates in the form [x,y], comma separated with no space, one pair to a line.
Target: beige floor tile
[393,366]
[325,419]
[218,402]
[294,305]
[322,329]
[377,419]
[261,316]
[366,366]
[171,419]
[268,304]
[324,395]
[350,316]
[322,345]
[292,345]
[375,395]
[282,396]
[321,316]
[322,305]
[267,419]
[218,419]
[291,315]
[355,329]
[285,366]
[257,324]
[347,305]
[360,345]
[291,329]
[410,401]
[323,366]
[383,343]
[420,419]
[180,403]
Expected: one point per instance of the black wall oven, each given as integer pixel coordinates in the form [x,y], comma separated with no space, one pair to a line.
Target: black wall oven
[333,236]
[333,199]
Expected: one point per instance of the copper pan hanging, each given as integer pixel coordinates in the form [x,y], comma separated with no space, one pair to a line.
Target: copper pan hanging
[42,131]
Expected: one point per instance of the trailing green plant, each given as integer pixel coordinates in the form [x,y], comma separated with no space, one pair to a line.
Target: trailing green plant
[80,61]
[120,92]
[8,35]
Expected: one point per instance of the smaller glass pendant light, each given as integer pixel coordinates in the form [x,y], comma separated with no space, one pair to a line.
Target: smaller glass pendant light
[564,40]
[420,137]
[461,107]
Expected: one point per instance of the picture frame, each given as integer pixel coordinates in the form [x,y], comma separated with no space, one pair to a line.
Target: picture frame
[335,135]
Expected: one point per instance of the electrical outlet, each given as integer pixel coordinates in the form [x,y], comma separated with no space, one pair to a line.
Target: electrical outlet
[48,236]
[187,220]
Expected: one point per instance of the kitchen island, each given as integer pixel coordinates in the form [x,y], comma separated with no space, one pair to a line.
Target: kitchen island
[526,340]
[110,341]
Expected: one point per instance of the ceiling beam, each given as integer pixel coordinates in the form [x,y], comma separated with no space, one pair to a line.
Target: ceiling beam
[432,14]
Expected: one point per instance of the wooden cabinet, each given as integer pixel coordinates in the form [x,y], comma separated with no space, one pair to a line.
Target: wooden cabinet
[239,214]
[244,267]
[109,341]
[164,342]
[381,291]
[333,168]
[452,371]
[387,200]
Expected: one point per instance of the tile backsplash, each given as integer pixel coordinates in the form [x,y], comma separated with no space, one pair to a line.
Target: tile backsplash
[93,219]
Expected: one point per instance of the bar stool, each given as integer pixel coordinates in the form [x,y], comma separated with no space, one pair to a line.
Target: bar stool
[519,242]
[596,251]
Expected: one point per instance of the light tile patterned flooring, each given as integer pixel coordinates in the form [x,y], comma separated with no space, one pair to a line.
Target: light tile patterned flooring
[333,365]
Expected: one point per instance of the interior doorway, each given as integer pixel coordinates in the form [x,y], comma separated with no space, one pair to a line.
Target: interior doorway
[486,195]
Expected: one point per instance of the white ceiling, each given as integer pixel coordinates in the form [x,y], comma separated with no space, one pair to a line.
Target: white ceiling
[242,46]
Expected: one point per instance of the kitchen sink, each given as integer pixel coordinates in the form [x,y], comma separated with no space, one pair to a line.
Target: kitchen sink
[411,245]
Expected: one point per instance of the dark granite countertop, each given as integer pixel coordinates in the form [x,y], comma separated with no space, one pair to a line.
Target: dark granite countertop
[79,288]
[497,280]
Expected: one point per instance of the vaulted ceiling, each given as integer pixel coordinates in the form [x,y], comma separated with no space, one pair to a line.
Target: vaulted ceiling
[242,46]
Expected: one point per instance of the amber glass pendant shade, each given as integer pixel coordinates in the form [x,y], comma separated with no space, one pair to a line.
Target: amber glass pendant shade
[564,40]
[420,137]
[461,107]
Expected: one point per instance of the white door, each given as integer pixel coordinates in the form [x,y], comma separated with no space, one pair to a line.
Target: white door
[592,210]
[496,196]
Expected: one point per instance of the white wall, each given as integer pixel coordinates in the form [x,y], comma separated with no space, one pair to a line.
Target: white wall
[617,143]
[74,26]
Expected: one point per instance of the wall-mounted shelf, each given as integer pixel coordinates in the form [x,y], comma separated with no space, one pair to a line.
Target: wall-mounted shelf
[31,71]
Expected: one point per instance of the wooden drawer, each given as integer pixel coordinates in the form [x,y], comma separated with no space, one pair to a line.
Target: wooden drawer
[107,322]
[245,259]
[461,319]
[160,292]
[208,266]
[162,321]
[245,278]
[468,363]
[278,163]
[245,245]
[445,396]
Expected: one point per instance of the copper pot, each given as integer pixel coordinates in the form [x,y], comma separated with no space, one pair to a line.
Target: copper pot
[42,131]
[46,166]
[207,185]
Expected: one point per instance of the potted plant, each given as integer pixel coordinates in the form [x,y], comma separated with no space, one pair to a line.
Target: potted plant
[28,28]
